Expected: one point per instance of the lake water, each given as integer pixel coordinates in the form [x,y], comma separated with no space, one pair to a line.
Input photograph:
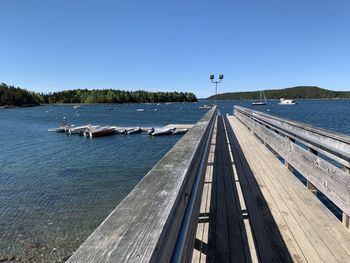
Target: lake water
[56,189]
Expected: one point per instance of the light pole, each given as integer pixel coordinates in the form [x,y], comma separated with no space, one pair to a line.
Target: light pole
[212,77]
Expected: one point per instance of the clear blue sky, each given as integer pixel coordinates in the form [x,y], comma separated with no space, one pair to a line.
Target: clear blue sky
[175,45]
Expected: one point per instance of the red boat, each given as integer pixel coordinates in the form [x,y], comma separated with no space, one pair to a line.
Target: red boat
[99,132]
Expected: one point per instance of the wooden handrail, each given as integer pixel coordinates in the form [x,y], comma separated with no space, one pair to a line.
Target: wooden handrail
[333,143]
[145,226]
[303,148]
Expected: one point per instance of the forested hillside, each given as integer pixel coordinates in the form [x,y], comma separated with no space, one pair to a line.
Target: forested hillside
[11,96]
[300,92]
[116,96]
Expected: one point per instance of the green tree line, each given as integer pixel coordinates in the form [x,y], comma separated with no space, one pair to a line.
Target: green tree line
[299,92]
[12,96]
[116,96]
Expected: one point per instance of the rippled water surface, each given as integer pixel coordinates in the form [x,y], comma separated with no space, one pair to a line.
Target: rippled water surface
[56,189]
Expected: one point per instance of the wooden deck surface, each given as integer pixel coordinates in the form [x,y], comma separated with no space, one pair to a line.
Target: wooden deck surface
[255,210]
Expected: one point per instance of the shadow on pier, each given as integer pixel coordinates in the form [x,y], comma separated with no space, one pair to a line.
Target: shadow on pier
[240,226]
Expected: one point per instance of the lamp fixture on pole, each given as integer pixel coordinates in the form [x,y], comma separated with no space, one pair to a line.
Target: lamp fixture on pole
[212,77]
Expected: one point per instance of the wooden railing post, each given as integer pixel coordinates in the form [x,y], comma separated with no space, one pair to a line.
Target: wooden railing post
[346,221]
[286,163]
[316,162]
[309,185]
[346,218]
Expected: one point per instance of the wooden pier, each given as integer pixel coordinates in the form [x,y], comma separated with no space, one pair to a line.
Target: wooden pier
[228,192]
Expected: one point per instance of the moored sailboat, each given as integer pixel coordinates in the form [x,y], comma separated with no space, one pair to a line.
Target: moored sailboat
[261,101]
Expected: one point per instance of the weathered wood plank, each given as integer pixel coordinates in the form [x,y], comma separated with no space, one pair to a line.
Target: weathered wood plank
[281,214]
[327,178]
[268,241]
[226,240]
[201,243]
[283,186]
[144,226]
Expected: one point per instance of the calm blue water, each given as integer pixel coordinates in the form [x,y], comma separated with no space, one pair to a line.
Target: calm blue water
[56,189]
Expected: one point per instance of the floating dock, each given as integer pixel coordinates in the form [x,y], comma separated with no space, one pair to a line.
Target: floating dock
[227,192]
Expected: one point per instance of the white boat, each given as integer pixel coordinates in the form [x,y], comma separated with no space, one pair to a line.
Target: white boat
[150,131]
[82,129]
[205,107]
[140,109]
[121,131]
[99,132]
[77,107]
[180,131]
[162,131]
[63,128]
[287,102]
[135,130]
[261,101]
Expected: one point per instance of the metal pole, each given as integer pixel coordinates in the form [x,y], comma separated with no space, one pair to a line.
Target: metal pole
[216,92]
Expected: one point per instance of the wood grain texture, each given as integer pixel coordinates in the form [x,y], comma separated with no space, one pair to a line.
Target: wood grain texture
[270,245]
[312,233]
[327,178]
[333,144]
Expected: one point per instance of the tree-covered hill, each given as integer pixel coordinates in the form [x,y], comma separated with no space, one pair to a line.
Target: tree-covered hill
[12,96]
[300,92]
[116,96]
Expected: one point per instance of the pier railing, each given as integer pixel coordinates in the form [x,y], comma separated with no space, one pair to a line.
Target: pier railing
[321,156]
[156,222]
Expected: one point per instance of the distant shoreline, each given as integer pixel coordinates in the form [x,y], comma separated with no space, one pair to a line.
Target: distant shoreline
[83,104]
[295,93]
[207,99]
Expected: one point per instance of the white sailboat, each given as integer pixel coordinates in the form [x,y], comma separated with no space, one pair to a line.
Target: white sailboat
[262,100]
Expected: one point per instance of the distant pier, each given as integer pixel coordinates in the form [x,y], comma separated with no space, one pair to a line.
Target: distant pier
[228,192]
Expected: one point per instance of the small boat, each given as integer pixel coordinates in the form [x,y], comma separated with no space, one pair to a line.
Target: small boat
[287,102]
[82,129]
[77,107]
[205,107]
[150,131]
[135,130]
[140,110]
[121,131]
[63,128]
[99,132]
[260,102]
[180,131]
[163,131]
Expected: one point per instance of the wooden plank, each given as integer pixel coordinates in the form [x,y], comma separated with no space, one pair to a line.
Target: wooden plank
[330,180]
[229,239]
[238,242]
[144,226]
[222,250]
[268,241]
[279,180]
[320,226]
[201,244]
[250,251]
[281,215]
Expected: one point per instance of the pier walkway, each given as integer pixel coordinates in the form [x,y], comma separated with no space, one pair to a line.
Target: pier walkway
[228,192]
[256,210]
